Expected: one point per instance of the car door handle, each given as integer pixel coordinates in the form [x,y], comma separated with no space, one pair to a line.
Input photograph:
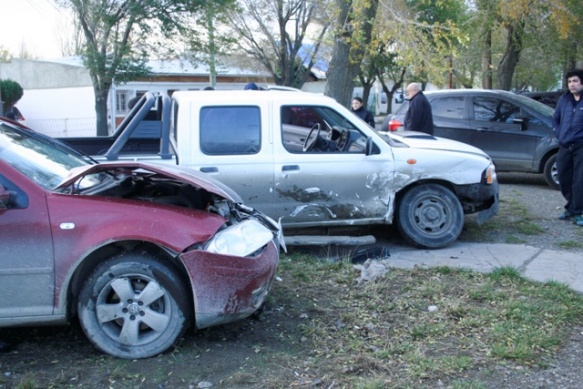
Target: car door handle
[209,169]
[287,168]
[482,129]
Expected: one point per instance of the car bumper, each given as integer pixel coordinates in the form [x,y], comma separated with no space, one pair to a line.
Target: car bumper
[228,288]
[482,199]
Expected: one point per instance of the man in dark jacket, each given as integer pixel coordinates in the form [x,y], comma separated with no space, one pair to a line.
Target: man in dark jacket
[359,110]
[418,116]
[568,126]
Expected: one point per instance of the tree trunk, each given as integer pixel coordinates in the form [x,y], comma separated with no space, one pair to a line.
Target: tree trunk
[101,112]
[511,55]
[487,59]
[345,62]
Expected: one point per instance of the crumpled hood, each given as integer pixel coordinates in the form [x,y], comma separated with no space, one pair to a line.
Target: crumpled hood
[189,176]
[419,140]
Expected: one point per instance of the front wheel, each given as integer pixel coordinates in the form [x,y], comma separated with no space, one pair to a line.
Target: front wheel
[430,216]
[132,306]
[551,172]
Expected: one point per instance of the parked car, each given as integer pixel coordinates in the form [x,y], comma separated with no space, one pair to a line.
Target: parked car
[547,98]
[137,251]
[514,130]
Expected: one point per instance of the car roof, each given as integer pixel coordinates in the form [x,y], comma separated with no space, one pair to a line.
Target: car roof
[468,92]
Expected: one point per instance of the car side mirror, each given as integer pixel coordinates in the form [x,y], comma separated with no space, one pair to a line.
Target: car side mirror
[5,198]
[369,148]
[522,121]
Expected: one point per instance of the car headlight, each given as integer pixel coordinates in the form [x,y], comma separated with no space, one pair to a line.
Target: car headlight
[240,239]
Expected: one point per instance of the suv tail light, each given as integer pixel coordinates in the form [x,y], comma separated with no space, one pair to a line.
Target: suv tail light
[394,124]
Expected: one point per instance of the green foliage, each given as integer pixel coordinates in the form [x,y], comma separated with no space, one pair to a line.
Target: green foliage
[10,91]
[5,55]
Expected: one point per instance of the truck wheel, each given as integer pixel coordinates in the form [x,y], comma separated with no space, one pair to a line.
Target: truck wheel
[430,216]
[132,306]
[551,172]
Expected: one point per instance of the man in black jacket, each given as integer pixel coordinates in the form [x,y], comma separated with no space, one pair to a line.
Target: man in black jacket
[568,126]
[418,116]
[359,110]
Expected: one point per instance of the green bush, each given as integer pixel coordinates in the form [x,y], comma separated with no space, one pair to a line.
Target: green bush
[11,92]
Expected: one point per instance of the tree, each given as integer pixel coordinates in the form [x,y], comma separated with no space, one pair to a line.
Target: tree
[5,55]
[119,35]
[354,26]
[275,32]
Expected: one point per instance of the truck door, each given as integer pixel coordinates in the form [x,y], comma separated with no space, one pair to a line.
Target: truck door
[333,183]
[236,149]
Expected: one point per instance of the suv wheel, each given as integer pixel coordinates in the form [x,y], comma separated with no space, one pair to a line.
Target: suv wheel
[551,173]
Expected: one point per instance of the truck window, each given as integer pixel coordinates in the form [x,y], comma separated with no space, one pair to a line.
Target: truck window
[230,130]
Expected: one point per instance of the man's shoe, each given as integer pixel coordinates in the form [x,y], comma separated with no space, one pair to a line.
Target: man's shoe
[567,215]
[578,221]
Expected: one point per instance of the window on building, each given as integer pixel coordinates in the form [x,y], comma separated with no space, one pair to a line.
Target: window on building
[122,97]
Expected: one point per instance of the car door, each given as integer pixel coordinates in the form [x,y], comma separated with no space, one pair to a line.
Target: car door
[26,251]
[497,129]
[450,118]
[328,187]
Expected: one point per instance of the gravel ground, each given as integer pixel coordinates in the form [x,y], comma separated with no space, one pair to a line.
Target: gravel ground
[544,205]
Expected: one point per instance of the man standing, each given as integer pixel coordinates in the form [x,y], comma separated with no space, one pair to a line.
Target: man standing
[568,126]
[418,116]
[359,110]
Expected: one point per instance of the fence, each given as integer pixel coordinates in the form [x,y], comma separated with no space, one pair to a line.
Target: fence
[60,128]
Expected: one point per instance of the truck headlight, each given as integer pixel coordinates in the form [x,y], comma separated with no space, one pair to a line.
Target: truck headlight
[489,175]
[240,239]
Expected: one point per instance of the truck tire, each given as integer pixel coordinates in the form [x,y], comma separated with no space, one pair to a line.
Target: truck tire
[430,216]
[551,173]
[132,306]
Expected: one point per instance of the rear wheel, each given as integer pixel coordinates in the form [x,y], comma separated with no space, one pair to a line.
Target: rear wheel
[551,172]
[133,306]
[430,216]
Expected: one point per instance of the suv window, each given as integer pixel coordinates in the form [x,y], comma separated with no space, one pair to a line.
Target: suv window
[450,107]
[494,110]
[230,130]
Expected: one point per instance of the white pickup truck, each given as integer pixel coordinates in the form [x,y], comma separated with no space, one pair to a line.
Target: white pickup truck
[306,159]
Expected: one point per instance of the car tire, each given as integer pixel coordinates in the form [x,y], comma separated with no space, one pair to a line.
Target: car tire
[430,216]
[551,173]
[133,306]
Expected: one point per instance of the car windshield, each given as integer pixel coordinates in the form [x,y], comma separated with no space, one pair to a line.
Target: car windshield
[44,162]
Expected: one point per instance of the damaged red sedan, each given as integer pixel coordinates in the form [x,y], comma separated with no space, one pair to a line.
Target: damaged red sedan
[137,252]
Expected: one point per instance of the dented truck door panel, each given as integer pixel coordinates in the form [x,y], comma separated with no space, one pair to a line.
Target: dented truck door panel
[339,185]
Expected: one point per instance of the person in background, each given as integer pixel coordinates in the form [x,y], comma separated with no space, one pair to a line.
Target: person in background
[568,127]
[419,116]
[251,86]
[359,110]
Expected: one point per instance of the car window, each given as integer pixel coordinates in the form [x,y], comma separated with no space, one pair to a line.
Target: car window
[230,130]
[450,107]
[494,110]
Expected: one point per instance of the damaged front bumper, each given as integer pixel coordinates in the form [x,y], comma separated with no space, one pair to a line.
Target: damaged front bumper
[233,271]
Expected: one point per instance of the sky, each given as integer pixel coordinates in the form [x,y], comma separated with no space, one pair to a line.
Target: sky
[33,24]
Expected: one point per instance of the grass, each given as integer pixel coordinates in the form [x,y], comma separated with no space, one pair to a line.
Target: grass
[387,332]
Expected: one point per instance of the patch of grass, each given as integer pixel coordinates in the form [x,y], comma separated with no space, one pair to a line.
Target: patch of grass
[476,320]
[570,244]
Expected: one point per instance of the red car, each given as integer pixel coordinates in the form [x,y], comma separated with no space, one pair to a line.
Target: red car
[138,252]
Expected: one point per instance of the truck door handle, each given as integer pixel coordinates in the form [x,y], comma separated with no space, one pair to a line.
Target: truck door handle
[209,169]
[287,168]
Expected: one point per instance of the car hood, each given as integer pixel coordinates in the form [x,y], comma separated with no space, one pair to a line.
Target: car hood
[185,175]
[421,140]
